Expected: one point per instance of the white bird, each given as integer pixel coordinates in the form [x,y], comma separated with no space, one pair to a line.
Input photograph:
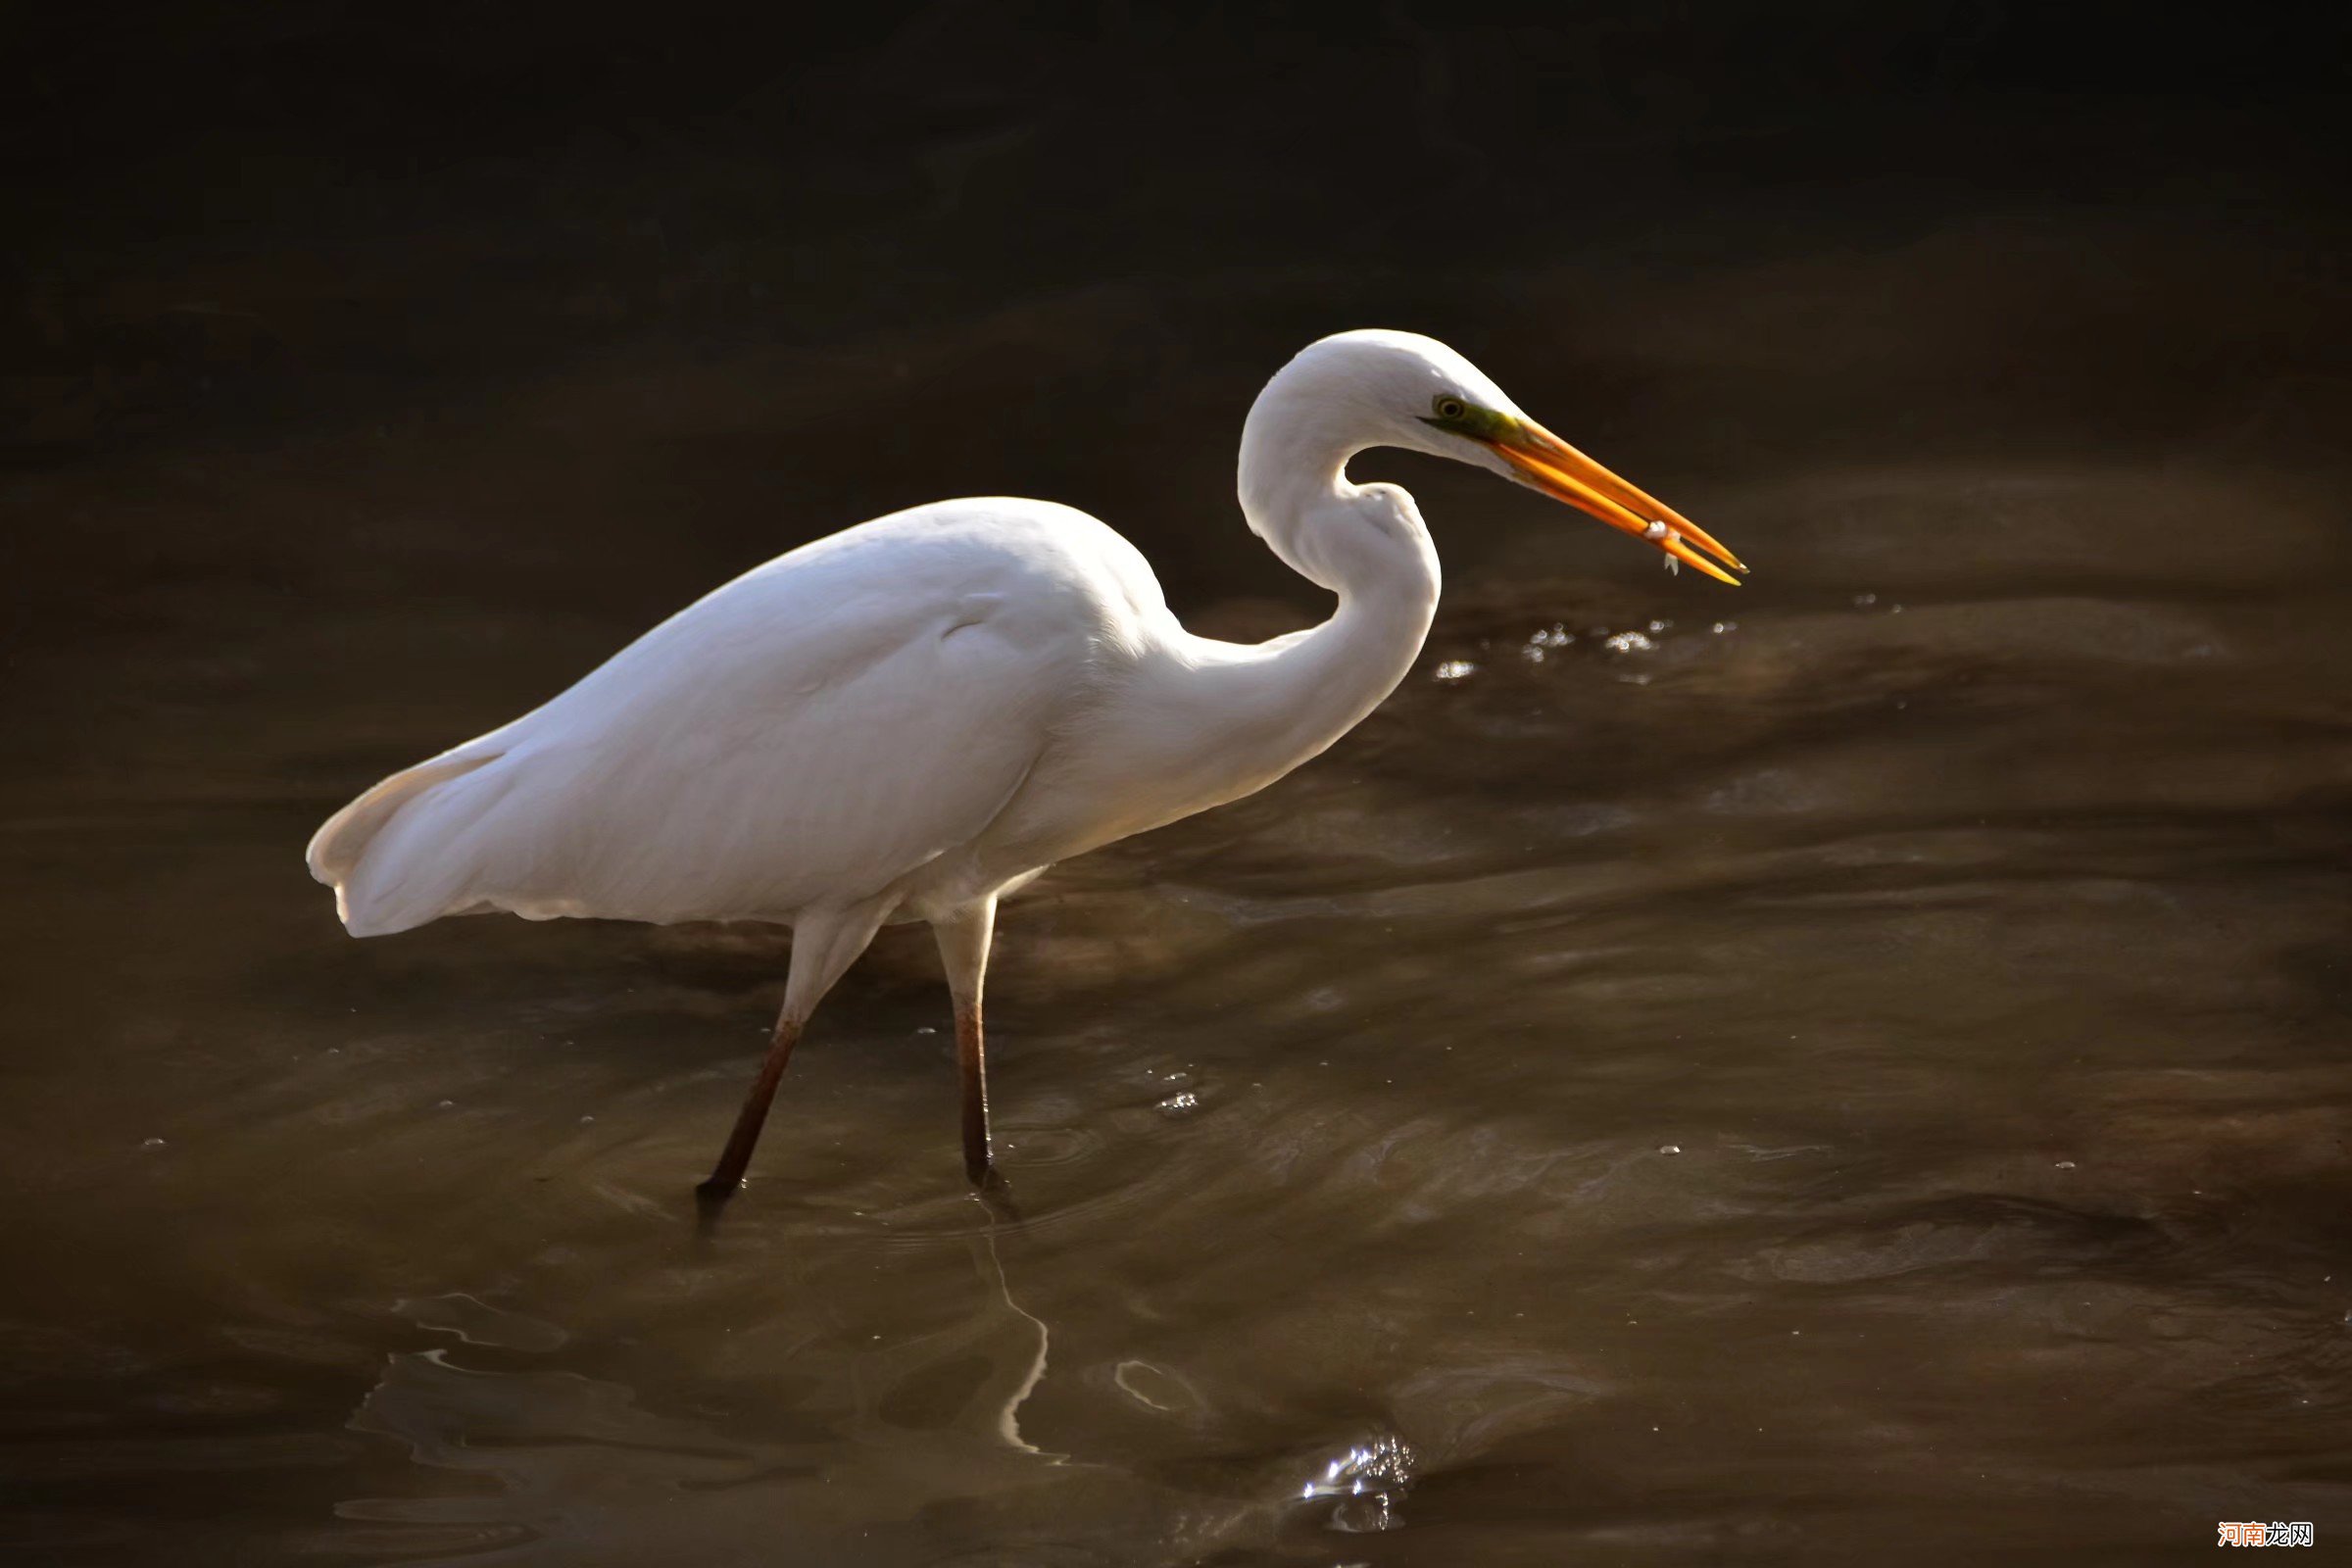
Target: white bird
[910,719]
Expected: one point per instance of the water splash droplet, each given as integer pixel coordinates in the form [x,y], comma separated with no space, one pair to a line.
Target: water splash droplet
[1367,1479]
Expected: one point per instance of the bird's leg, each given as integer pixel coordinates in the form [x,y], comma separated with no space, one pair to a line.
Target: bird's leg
[824,943]
[971,1067]
[964,942]
[732,1161]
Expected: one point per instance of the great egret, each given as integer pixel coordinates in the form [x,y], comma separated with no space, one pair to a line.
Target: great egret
[910,719]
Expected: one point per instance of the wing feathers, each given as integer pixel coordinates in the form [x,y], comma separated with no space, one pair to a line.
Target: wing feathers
[822,726]
[339,846]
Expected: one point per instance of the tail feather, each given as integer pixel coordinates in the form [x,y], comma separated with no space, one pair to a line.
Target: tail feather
[339,851]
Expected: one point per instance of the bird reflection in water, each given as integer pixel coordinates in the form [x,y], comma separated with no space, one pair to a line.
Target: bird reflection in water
[585,1474]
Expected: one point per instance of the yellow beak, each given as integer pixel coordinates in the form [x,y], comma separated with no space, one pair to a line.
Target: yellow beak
[1543,462]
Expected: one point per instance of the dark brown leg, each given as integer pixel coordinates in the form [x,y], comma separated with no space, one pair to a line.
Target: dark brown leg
[971,1064]
[824,943]
[728,1176]
[964,942]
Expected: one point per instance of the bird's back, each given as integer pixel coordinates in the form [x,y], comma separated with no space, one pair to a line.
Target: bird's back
[809,734]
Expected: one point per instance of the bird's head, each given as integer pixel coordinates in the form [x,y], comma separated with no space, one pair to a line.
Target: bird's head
[1401,389]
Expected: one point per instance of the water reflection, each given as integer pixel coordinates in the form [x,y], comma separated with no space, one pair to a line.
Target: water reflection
[580,1471]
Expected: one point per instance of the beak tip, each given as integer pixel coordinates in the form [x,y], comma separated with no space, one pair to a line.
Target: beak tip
[1553,468]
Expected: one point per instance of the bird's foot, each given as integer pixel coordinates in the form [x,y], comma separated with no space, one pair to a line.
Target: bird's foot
[710,1197]
[994,1192]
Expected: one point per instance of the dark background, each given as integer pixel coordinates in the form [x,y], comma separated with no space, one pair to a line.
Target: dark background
[240,221]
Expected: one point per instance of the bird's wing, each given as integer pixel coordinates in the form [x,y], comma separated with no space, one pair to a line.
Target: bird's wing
[805,736]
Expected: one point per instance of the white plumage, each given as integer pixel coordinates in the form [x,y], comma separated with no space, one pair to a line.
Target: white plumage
[911,717]
[824,727]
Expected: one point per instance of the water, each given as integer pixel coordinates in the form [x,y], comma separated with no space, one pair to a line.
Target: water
[1848,1067]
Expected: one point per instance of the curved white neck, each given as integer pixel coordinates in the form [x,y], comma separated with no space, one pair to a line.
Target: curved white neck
[1240,715]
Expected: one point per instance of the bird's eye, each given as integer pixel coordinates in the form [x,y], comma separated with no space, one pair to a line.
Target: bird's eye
[1451,408]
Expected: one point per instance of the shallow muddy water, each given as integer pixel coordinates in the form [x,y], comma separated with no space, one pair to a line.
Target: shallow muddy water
[1849,1068]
